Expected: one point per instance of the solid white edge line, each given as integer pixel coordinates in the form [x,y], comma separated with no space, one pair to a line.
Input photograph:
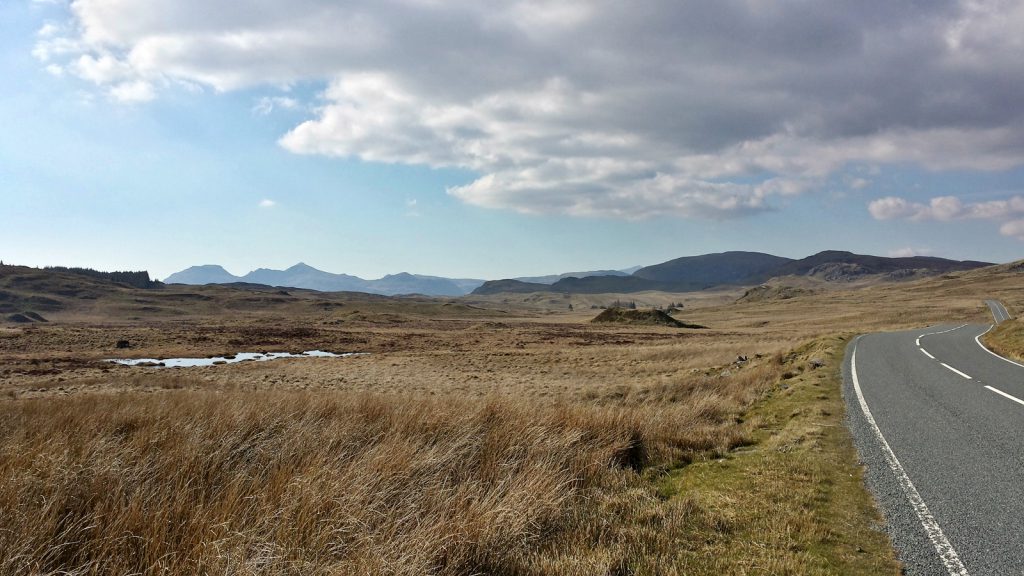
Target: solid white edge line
[985,348]
[1010,396]
[942,545]
[926,353]
[955,370]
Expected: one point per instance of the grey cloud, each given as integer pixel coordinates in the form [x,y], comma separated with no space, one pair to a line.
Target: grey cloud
[598,107]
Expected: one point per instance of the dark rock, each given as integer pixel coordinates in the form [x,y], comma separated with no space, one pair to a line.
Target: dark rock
[121,344]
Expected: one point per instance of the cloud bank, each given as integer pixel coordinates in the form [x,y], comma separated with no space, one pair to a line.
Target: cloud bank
[697,109]
[948,208]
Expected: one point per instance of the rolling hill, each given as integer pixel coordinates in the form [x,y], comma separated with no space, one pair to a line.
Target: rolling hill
[692,273]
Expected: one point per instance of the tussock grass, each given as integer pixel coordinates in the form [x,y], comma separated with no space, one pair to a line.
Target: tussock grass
[270,482]
[1007,339]
[792,502]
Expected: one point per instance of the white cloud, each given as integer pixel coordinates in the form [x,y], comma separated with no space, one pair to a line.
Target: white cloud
[700,109]
[947,208]
[133,91]
[892,208]
[1014,229]
[267,104]
[267,203]
[908,251]
[48,30]
[102,70]
[859,183]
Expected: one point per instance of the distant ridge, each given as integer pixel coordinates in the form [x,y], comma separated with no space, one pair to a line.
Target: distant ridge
[685,274]
[707,270]
[552,278]
[692,273]
[305,276]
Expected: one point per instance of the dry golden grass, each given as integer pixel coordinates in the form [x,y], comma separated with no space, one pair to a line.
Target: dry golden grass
[1007,339]
[469,441]
[327,483]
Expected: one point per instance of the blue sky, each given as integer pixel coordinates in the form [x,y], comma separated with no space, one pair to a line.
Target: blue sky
[157,135]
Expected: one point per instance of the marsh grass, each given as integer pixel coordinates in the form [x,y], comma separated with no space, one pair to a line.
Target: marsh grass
[271,482]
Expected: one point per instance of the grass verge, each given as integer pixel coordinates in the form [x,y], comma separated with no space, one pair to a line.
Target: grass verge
[1007,339]
[793,502]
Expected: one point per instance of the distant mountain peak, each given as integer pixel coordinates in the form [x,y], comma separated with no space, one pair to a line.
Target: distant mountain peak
[204,274]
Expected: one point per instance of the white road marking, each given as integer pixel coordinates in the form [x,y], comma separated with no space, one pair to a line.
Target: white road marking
[999,311]
[940,332]
[978,340]
[917,342]
[926,353]
[955,370]
[1001,393]
[931,526]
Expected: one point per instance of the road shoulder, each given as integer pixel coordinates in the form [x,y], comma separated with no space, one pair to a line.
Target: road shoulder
[1006,340]
[794,500]
[910,541]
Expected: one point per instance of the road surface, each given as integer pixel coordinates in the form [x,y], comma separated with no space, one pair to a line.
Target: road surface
[999,313]
[938,421]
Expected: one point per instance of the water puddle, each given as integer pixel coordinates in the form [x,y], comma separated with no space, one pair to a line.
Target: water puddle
[219,360]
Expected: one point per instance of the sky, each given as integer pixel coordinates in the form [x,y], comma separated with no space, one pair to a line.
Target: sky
[506,138]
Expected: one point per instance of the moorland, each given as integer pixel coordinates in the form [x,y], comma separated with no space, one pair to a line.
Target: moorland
[487,434]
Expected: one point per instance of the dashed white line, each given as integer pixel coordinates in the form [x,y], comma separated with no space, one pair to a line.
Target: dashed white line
[926,353]
[918,341]
[955,370]
[931,526]
[940,332]
[1001,393]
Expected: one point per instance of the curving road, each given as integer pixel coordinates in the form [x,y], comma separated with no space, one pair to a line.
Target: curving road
[999,313]
[938,421]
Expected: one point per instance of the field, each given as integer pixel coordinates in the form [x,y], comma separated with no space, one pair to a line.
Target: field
[482,436]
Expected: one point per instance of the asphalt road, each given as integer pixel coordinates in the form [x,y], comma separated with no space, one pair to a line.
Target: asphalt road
[999,312]
[938,421]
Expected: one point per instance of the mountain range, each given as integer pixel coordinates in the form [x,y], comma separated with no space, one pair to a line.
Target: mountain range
[305,276]
[685,274]
[691,273]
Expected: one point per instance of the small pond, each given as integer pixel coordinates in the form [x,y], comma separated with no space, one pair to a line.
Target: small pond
[218,360]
